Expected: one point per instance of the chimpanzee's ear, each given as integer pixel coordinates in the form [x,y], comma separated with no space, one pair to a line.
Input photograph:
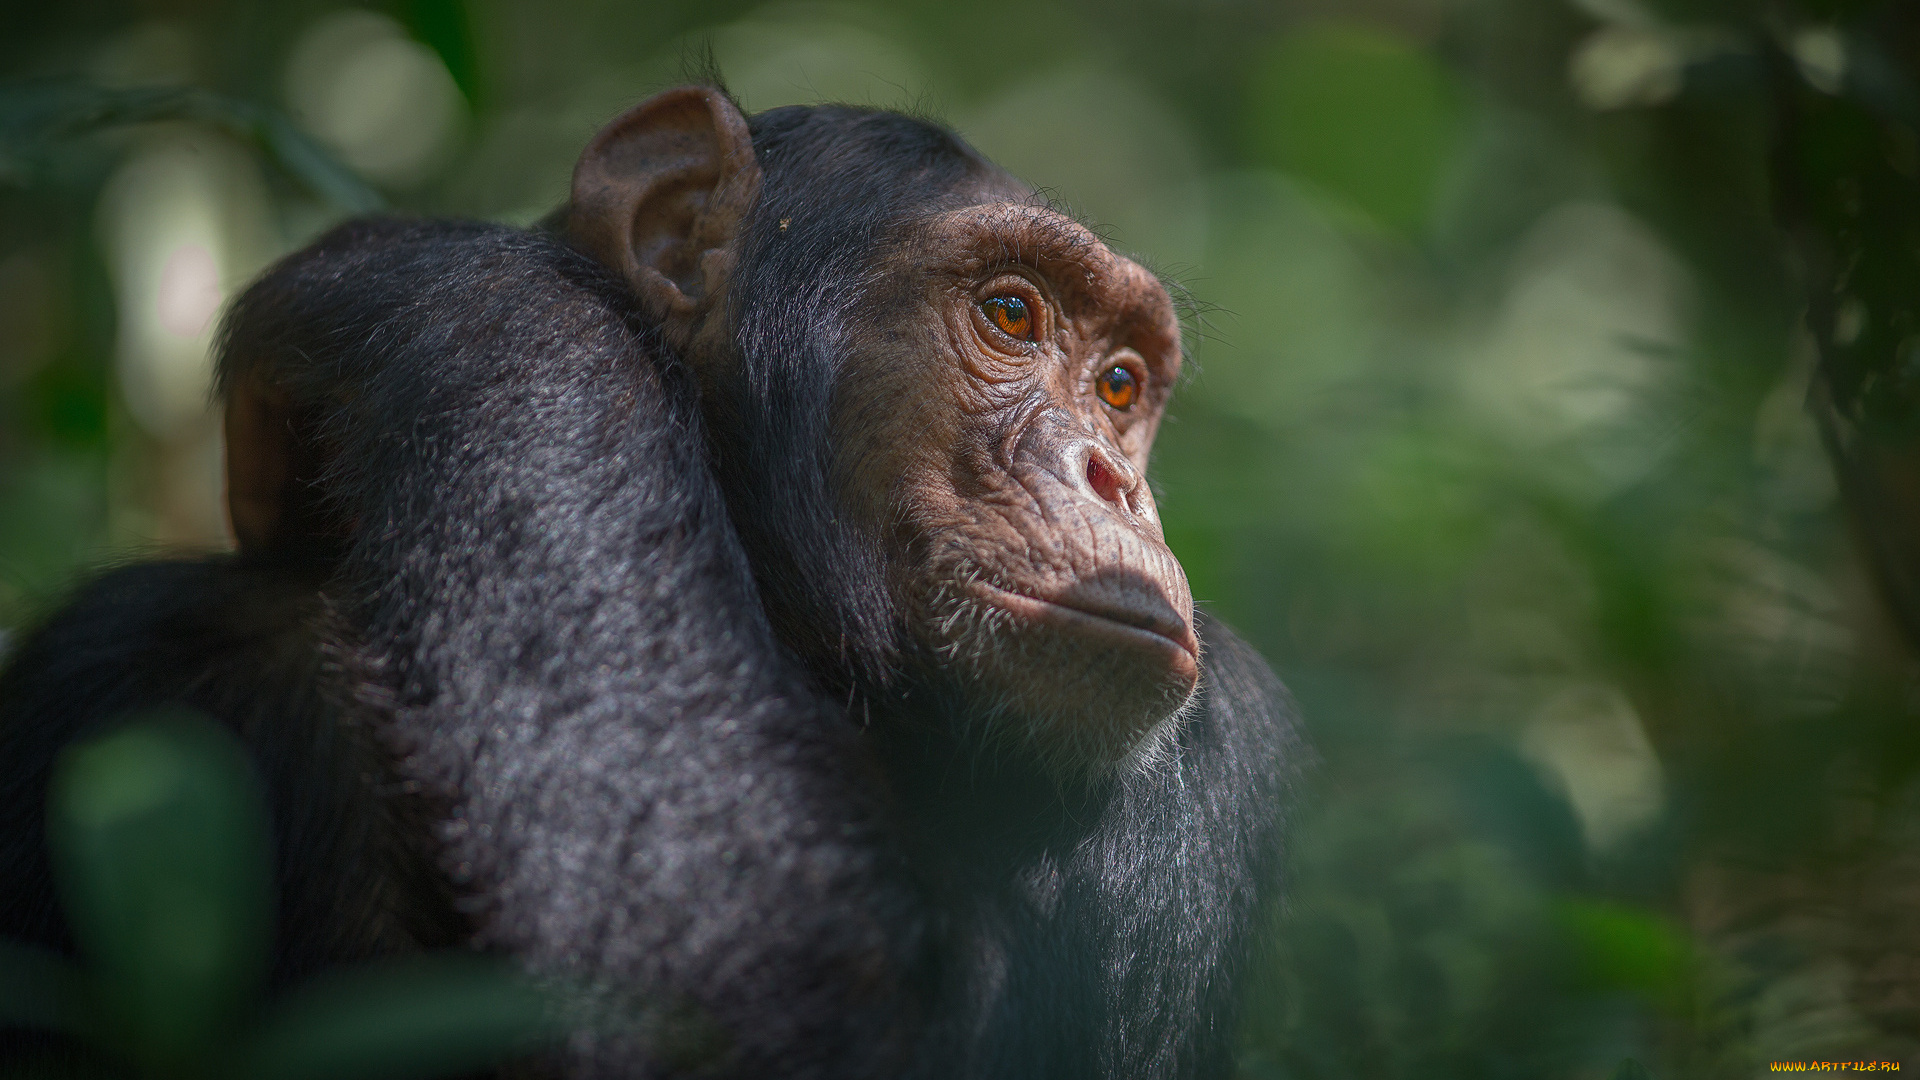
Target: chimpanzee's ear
[274,465]
[259,463]
[660,194]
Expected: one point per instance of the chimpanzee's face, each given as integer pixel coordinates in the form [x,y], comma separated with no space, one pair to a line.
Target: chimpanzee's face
[1007,402]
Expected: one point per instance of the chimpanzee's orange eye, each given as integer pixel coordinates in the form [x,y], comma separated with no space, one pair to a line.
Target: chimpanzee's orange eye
[1011,315]
[1117,387]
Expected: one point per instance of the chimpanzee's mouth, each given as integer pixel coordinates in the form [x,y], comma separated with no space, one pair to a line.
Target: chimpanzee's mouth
[1138,619]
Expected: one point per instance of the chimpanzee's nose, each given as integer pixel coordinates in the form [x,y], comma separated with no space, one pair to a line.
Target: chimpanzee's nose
[1061,444]
[1114,479]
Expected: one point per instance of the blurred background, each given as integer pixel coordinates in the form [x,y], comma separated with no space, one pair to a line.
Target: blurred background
[1552,424]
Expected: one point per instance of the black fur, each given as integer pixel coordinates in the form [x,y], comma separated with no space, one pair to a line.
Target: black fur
[844,182]
[536,702]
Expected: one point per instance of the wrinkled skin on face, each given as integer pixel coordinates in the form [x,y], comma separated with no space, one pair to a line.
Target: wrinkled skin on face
[1026,547]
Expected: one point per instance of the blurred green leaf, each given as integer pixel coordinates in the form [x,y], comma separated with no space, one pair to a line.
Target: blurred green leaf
[38,118]
[1621,947]
[445,27]
[159,847]
[423,1017]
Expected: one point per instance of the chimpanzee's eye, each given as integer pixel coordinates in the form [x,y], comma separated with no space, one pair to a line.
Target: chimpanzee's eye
[1011,315]
[1117,387]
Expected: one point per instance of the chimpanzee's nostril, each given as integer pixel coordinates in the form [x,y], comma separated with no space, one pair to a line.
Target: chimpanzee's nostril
[1105,482]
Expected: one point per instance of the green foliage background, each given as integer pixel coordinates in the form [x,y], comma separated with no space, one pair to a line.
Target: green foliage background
[1498,443]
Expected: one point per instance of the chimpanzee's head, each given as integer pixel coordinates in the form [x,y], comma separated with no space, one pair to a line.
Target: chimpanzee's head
[932,397]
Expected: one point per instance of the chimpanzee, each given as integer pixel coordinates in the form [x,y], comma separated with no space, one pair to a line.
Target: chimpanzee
[748,605]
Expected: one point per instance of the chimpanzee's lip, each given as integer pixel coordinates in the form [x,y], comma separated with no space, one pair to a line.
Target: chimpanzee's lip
[1152,623]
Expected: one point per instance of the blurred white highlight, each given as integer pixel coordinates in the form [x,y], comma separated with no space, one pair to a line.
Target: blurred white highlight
[1621,66]
[781,57]
[1581,359]
[383,101]
[1821,54]
[1589,738]
[189,293]
[182,221]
